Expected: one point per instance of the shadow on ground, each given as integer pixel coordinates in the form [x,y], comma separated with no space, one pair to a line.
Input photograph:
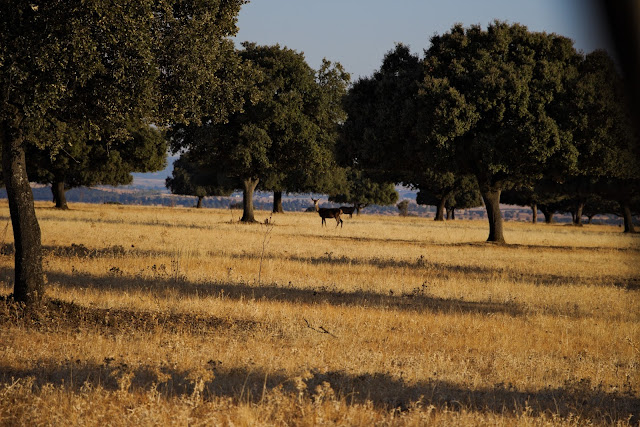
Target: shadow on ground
[576,397]
[438,269]
[414,300]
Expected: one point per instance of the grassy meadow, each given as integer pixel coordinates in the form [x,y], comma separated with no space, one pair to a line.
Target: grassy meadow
[184,316]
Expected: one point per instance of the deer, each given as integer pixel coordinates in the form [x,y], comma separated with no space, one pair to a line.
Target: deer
[348,210]
[328,213]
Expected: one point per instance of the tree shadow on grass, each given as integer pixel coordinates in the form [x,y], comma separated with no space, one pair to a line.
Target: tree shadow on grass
[575,398]
[415,300]
[442,270]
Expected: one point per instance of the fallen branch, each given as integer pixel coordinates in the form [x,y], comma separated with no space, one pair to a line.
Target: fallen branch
[320,330]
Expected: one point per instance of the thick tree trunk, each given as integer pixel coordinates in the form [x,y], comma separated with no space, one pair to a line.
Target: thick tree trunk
[29,278]
[628,218]
[449,213]
[491,199]
[548,217]
[440,209]
[453,213]
[277,202]
[577,220]
[534,209]
[590,218]
[248,187]
[199,204]
[59,197]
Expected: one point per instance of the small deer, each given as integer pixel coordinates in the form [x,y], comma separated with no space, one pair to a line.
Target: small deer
[328,213]
[348,210]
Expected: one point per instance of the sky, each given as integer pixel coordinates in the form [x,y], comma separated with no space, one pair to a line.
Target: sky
[357,33]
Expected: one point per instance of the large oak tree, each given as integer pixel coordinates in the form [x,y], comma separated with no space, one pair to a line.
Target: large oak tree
[480,102]
[70,69]
[284,136]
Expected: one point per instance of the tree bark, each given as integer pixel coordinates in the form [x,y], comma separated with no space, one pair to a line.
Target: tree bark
[449,213]
[548,216]
[29,277]
[440,209]
[628,218]
[453,214]
[578,214]
[199,204]
[59,197]
[534,209]
[248,187]
[491,199]
[277,202]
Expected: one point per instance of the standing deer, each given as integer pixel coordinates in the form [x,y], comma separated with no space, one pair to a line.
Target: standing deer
[348,210]
[328,213]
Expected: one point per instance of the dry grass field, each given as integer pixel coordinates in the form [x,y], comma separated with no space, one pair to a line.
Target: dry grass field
[163,316]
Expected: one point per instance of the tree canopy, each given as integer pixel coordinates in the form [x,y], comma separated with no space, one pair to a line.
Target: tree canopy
[481,102]
[190,179]
[284,136]
[89,163]
[361,191]
[71,69]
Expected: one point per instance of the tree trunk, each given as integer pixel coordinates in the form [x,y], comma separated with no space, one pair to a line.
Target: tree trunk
[453,214]
[534,209]
[277,202]
[199,204]
[449,212]
[590,217]
[491,199]
[29,277]
[548,214]
[440,210]
[578,215]
[59,197]
[628,218]
[248,187]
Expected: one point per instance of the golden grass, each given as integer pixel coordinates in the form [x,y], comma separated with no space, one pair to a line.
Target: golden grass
[185,316]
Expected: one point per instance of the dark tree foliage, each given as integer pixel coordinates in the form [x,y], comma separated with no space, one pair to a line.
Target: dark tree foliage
[284,137]
[73,70]
[188,178]
[361,191]
[497,90]
[545,195]
[107,161]
[480,102]
[603,139]
[449,192]
[403,207]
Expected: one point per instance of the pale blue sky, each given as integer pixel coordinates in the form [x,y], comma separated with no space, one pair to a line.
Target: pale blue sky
[357,33]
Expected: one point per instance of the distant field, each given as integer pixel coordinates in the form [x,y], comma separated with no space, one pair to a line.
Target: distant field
[185,316]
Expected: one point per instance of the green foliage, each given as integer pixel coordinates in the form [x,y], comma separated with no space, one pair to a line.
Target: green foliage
[285,135]
[189,179]
[83,70]
[362,191]
[106,161]
[403,207]
[496,90]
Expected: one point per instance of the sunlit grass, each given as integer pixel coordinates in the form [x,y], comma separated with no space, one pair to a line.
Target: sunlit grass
[390,320]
